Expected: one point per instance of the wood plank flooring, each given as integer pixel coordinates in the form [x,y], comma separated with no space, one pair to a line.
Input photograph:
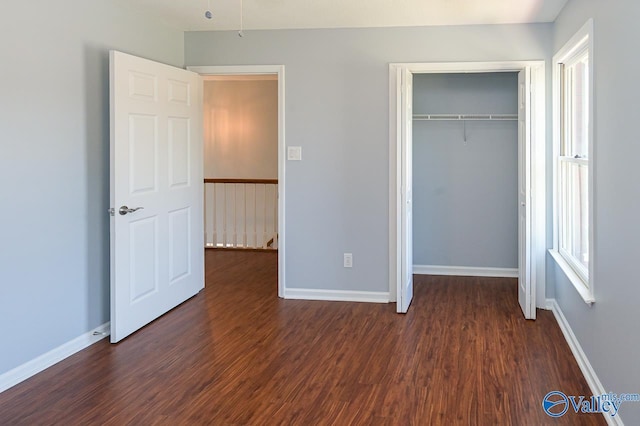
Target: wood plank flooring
[236,354]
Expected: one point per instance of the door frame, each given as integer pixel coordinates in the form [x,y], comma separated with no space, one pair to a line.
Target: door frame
[271,70]
[535,159]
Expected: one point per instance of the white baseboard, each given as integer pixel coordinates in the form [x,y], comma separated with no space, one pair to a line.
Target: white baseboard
[33,367]
[465,271]
[583,362]
[336,295]
[549,306]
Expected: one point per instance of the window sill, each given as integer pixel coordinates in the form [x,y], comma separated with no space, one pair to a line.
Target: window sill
[575,279]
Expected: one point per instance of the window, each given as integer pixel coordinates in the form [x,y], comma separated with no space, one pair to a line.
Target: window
[573,147]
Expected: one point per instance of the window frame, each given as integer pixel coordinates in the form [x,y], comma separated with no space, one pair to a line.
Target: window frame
[573,51]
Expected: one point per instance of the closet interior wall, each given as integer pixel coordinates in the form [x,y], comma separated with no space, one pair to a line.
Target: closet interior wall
[465,172]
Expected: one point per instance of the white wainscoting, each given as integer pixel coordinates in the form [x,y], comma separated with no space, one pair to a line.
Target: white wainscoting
[465,271]
[54,356]
[336,295]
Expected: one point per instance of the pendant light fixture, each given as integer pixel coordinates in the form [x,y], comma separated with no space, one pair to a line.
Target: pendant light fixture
[207,13]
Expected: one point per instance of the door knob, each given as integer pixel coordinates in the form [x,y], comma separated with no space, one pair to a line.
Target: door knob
[124,210]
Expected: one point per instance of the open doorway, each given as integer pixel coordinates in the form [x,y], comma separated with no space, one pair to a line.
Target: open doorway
[240,120]
[243,130]
[157,188]
[531,146]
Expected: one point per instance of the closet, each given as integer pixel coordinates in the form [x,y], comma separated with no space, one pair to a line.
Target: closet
[465,171]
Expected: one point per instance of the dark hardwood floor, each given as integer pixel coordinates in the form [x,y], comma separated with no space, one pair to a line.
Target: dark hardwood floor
[236,354]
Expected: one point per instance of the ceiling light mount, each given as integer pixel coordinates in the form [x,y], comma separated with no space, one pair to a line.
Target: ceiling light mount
[241,33]
[207,13]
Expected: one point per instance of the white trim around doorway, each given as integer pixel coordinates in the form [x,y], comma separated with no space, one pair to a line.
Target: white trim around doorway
[537,161]
[248,70]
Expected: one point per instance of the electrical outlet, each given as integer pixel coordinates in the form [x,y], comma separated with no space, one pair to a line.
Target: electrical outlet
[348,260]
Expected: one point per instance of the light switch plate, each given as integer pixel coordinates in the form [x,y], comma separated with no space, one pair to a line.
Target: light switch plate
[294,153]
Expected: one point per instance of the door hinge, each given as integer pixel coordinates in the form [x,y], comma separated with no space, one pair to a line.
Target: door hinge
[112,211]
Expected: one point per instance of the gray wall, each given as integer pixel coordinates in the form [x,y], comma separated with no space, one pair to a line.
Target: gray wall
[337,108]
[54,128]
[608,330]
[465,194]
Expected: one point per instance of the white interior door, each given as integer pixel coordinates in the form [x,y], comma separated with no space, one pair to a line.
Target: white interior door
[157,255]
[525,291]
[405,291]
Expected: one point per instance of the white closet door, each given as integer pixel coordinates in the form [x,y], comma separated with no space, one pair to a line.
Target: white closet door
[525,298]
[405,293]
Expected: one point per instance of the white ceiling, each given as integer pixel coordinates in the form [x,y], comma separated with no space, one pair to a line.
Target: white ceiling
[188,15]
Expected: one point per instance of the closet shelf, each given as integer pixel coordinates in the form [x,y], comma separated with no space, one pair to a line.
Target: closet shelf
[465,117]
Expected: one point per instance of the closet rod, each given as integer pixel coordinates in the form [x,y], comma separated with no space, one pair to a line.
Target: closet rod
[465,117]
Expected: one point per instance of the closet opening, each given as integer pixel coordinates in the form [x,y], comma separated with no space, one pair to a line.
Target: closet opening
[467,175]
